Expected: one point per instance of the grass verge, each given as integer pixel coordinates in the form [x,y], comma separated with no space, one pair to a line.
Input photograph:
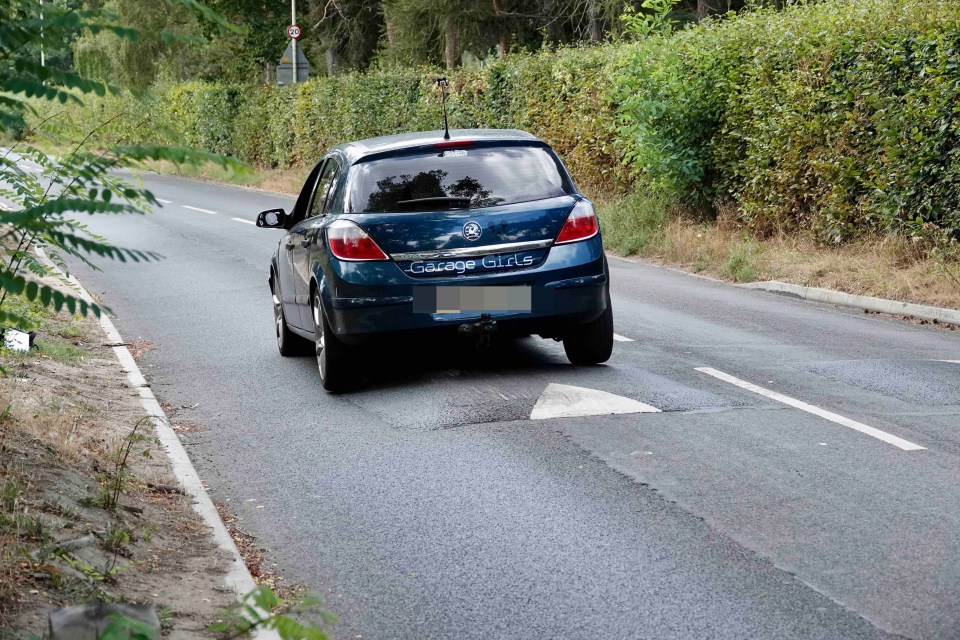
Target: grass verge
[886,267]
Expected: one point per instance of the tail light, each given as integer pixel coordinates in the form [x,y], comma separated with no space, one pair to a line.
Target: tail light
[350,242]
[580,224]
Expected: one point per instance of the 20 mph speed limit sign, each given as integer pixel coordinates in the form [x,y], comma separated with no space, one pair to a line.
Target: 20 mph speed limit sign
[294,31]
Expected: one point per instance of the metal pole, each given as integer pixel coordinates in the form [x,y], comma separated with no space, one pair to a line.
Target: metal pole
[42,61]
[293,41]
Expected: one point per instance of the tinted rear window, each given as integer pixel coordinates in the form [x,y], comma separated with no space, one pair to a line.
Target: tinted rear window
[456,178]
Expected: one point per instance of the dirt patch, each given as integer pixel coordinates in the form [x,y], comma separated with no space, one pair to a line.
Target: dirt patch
[77,524]
[187,427]
[256,558]
[139,348]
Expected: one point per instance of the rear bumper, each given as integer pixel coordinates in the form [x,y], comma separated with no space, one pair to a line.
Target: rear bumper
[568,288]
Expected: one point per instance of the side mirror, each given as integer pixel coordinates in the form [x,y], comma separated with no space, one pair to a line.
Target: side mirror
[272,219]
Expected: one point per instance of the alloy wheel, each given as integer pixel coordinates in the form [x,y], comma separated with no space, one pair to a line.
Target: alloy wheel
[278,318]
[318,333]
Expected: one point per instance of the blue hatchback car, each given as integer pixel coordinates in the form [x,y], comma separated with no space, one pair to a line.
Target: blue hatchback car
[479,233]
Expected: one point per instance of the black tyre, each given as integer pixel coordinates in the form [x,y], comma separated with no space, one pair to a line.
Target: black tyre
[591,343]
[337,372]
[289,343]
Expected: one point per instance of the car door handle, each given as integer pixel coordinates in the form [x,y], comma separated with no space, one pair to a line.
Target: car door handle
[306,242]
[289,245]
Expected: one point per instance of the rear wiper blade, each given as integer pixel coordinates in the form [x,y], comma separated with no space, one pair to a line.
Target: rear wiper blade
[437,200]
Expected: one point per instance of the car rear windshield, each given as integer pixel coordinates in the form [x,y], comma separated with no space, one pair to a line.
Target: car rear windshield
[456,179]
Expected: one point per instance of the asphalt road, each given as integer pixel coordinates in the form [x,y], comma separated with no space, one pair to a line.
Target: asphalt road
[428,505]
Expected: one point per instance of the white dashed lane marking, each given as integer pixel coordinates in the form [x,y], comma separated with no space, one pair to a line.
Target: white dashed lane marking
[162,201]
[817,411]
[244,221]
[620,338]
[566,401]
[186,206]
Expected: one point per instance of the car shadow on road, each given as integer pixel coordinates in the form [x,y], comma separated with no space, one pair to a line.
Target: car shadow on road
[415,362]
[427,359]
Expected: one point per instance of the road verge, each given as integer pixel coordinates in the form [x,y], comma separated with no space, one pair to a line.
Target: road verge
[237,578]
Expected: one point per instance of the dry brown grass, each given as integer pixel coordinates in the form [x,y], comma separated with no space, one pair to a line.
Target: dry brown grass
[71,431]
[886,267]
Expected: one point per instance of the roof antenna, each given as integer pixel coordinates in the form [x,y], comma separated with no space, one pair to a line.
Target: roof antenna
[443,84]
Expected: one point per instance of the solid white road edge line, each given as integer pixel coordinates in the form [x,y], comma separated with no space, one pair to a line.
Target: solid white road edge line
[238,578]
[620,338]
[244,221]
[186,206]
[817,411]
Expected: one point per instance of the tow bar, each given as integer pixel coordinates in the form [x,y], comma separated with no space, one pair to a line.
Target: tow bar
[482,331]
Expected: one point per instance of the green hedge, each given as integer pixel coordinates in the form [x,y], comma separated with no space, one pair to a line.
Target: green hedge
[839,117]
[562,96]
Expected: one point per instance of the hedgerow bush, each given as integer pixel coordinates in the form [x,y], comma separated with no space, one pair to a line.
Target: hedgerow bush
[839,117]
[562,96]
[834,118]
[204,113]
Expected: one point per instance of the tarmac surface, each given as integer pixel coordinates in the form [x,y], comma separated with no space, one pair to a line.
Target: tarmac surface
[428,504]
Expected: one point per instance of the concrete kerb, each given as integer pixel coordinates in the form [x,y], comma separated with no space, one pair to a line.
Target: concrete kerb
[238,578]
[868,303]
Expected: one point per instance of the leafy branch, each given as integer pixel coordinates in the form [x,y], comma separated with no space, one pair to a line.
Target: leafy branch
[80,182]
[263,609]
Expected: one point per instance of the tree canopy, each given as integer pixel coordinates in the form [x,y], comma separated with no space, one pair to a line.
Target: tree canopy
[339,35]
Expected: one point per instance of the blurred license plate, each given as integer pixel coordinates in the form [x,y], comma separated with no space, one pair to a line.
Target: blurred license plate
[467,299]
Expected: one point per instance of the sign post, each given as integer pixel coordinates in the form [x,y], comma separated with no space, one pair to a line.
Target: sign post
[290,32]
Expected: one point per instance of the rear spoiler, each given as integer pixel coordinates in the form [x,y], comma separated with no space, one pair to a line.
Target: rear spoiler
[440,145]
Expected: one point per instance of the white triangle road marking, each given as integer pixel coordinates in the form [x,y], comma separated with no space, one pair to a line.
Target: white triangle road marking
[566,401]
[620,338]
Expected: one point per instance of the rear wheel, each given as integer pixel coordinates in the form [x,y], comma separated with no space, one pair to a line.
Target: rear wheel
[289,343]
[333,357]
[591,343]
